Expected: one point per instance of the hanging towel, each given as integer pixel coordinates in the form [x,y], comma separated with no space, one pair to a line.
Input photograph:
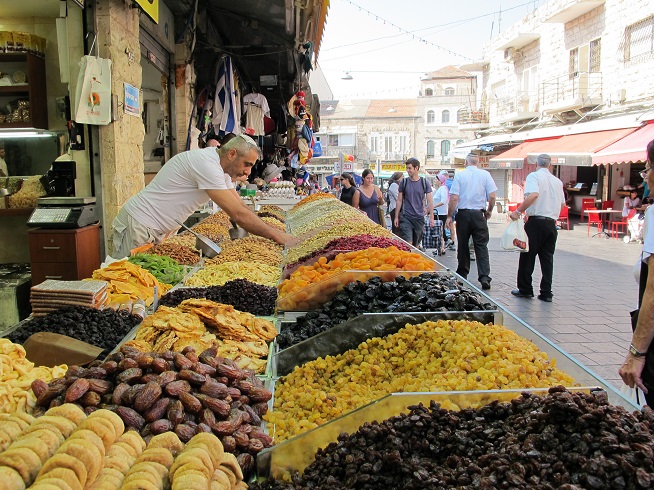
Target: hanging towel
[224,118]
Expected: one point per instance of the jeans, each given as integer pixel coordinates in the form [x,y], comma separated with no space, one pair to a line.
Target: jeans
[472,223]
[411,229]
[542,237]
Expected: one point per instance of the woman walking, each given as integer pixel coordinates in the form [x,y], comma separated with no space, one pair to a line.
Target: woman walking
[348,188]
[441,201]
[393,191]
[369,197]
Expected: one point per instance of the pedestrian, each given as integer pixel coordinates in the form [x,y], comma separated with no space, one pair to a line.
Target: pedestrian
[544,200]
[473,197]
[393,191]
[630,202]
[638,367]
[450,231]
[413,194]
[441,201]
[186,183]
[368,197]
[348,188]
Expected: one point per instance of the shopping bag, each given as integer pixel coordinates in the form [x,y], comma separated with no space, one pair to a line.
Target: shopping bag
[432,236]
[635,395]
[514,237]
[382,216]
[93,92]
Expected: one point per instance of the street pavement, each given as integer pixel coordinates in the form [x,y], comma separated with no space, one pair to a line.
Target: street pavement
[594,291]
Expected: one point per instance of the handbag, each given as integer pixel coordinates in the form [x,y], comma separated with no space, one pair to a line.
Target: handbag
[93,91]
[382,215]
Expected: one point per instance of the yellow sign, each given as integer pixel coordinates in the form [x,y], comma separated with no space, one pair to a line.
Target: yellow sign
[393,167]
[150,7]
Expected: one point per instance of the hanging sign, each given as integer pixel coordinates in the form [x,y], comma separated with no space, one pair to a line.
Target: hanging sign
[150,7]
[132,102]
[393,167]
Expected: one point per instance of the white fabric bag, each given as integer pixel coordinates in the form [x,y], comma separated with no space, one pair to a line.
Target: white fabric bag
[93,91]
[514,237]
[635,395]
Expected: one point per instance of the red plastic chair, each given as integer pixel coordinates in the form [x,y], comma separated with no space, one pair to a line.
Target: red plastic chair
[587,203]
[616,225]
[607,205]
[511,206]
[594,219]
[564,218]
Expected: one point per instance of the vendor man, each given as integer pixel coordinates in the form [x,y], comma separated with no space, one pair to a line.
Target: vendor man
[185,183]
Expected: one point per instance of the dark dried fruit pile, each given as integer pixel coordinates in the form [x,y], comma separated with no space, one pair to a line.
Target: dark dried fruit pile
[180,392]
[564,441]
[102,328]
[240,293]
[426,292]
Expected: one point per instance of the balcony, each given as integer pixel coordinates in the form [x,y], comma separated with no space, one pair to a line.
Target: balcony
[572,10]
[389,156]
[333,151]
[571,92]
[473,120]
[519,107]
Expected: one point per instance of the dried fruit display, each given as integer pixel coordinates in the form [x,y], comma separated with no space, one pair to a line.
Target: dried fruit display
[184,239]
[181,394]
[327,277]
[249,249]
[432,356]
[274,223]
[426,292]
[563,440]
[165,269]
[102,328]
[17,374]
[29,192]
[265,214]
[219,218]
[318,196]
[240,293]
[213,231]
[182,253]
[343,230]
[129,282]
[217,275]
[273,209]
[323,213]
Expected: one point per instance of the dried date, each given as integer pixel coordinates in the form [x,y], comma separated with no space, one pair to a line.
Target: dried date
[130,417]
[177,387]
[147,397]
[77,390]
[157,410]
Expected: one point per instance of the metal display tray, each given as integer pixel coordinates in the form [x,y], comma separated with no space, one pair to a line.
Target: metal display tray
[350,334]
[297,453]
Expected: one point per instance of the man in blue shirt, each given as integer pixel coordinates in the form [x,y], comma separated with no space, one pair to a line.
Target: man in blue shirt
[473,192]
[410,207]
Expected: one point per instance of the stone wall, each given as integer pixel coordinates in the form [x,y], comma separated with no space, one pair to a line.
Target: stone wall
[121,142]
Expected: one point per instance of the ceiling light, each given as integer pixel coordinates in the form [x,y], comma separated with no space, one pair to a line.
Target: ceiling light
[25,134]
[347,76]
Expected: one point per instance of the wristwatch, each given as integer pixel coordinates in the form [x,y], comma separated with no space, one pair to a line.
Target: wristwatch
[635,352]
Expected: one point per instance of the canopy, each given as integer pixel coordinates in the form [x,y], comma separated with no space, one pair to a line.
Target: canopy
[630,149]
[515,157]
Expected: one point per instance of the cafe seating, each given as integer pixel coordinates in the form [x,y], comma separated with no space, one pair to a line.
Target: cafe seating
[587,203]
[564,217]
[616,225]
[594,219]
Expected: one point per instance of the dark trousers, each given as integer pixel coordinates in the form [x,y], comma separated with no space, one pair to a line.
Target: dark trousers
[411,229]
[542,236]
[472,223]
[442,218]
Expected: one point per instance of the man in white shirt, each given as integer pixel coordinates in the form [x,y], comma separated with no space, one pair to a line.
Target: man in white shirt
[3,165]
[184,184]
[473,193]
[544,200]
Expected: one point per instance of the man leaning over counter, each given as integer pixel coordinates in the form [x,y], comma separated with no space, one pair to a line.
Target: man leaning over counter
[184,184]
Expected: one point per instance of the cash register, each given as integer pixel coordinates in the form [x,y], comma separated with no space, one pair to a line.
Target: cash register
[64,212]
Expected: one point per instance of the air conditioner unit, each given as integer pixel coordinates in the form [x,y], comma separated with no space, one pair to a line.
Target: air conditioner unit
[509,54]
[620,95]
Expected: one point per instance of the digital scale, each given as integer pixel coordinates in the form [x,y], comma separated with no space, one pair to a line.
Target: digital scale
[64,212]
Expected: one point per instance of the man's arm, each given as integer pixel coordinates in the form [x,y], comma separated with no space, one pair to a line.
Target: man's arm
[430,208]
[398,206]
[529,200]
[454,201]
[491,204]
[246,218]
[632,369]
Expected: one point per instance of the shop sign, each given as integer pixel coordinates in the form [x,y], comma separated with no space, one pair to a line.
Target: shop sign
[150,7]
[132,102]
[348,166]
[393,167]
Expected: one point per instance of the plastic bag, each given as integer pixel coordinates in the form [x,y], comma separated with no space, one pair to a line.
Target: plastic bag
[93,93]
[634,395]
[514,237]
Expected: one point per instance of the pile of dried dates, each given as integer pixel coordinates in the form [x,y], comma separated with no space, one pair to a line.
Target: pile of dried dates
[181,392]
[242,294]
[567,441]
[426,292]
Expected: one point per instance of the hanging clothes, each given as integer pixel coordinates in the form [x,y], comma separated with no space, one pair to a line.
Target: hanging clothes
[225,118]
[256,107]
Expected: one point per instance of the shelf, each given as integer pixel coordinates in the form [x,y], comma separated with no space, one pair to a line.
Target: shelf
[18,125]
[16,212]
[14,89]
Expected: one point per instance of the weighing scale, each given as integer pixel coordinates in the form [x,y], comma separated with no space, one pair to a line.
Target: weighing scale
[64,212]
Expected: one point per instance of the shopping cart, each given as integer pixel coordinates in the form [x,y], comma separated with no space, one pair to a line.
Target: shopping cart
[433,236]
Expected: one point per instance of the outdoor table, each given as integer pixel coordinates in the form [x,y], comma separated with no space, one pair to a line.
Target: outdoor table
[606,212]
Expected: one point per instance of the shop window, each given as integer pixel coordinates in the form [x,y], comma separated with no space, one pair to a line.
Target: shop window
[431,117]
[429,92]
[445,149]
[594,63]
[449,91]
[332,140]
[639,41]
[445,116]
[573,68]
[431,149]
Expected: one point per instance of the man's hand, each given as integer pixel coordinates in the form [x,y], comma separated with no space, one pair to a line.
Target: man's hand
[514,215]
[289,241]
[448,222]
[432,222]
[396,222]
[488,215]
[631,372]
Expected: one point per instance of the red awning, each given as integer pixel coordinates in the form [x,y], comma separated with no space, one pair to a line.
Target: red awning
[630,149]
[577,149]
[515,157]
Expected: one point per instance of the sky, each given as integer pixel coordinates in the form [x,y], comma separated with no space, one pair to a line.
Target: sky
[387,45]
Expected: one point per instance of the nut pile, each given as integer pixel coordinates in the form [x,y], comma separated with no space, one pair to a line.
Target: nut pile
[563,440]
[274,222]
[426,292]
[330,211]
[217,275]
[213,231]
[183,239]
[219,218]
[102,328]
[240,293]
[185,255]
[265,214]
[318,196]
[272,208]
[170,392]
[16,376]
[249,249]
[432,356]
